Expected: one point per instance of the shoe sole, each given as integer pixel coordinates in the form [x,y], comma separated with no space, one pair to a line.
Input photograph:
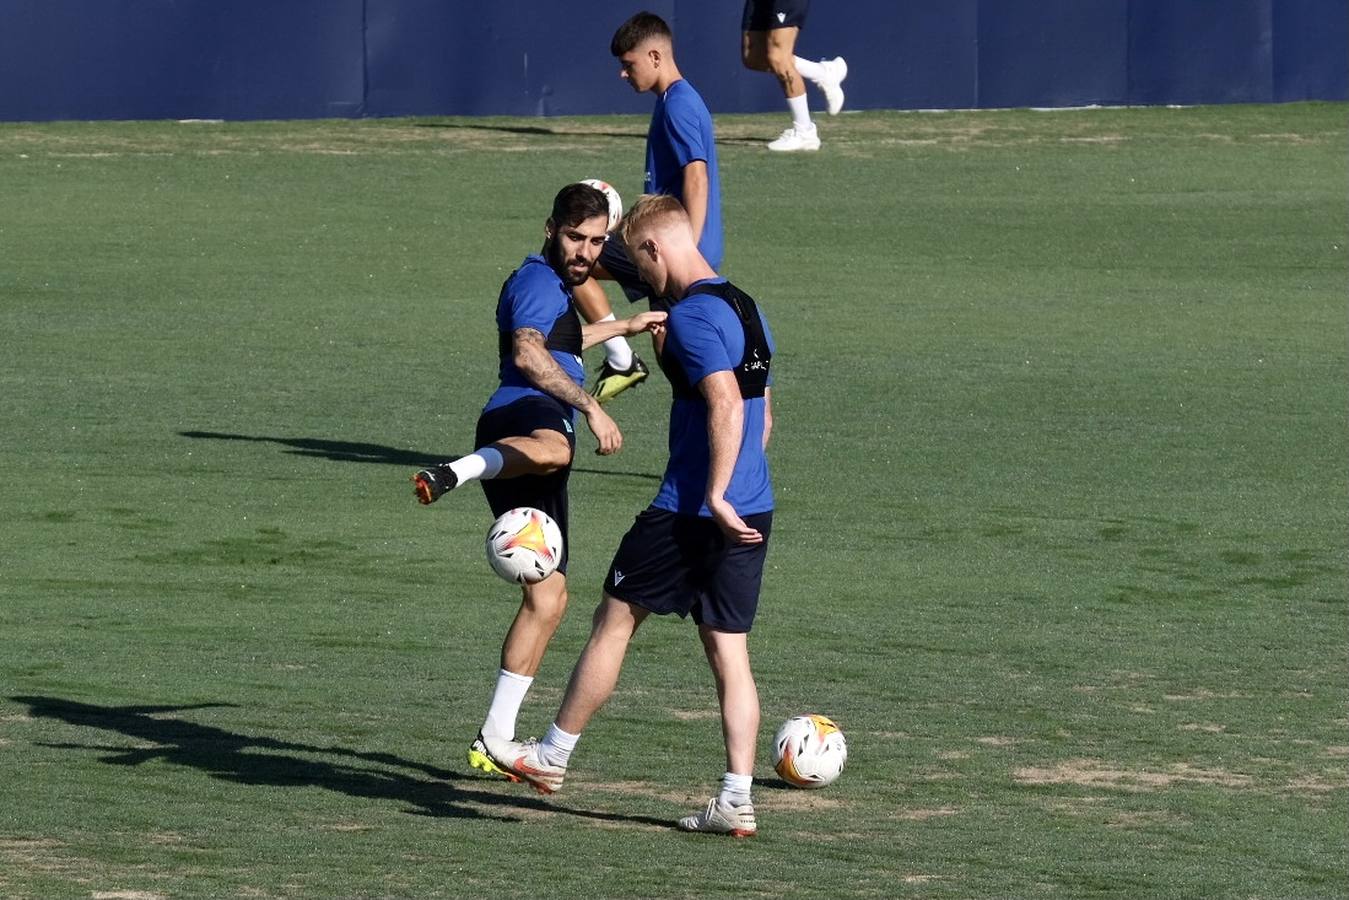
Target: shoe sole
[541,786]
[426,495]
[530,778]
[479,760]
[603,395]
[734,832]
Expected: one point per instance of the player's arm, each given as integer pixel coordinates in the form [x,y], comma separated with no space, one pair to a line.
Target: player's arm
[599,332]
[725,425]
[530,355]
[767,415]
[696,187]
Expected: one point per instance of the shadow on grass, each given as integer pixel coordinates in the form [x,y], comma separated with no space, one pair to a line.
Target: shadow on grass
[538,130]
[262,761]
[353,451]
[338,451]
[534,130]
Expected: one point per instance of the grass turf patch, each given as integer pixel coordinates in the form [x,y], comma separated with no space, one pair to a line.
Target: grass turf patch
[1059,466]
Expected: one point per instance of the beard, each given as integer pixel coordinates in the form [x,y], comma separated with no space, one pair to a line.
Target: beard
[572,271]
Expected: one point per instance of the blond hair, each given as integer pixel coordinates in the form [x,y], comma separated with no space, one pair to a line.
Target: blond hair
[650,212]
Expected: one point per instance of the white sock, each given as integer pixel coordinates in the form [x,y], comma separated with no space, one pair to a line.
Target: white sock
[616,349]
[484,463]
[557,745]
[811,70]
[506,699]
[735,789]
[800,113]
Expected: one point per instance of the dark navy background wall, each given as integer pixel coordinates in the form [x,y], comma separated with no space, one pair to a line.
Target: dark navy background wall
[249,59]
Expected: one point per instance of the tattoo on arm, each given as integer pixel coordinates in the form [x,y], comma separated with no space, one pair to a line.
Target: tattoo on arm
[537,364]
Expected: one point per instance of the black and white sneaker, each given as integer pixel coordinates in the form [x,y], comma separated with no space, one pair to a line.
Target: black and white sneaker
[431,484]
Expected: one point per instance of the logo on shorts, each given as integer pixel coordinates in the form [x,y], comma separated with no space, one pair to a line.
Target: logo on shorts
[782,17]
[566,423]
[618,577]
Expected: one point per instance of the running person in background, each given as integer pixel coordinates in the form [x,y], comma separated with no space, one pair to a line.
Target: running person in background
[526,437]
[681,160]
[770,29]
[698,550]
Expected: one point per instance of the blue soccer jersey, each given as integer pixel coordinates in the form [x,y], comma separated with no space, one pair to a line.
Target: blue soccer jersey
[681,133]
[705,336]
[533,297]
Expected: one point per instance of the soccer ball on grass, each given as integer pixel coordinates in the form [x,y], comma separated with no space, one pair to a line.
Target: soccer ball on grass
[809,751]
[524,545]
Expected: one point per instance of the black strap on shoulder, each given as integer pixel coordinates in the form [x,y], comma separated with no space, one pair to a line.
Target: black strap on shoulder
[752,373]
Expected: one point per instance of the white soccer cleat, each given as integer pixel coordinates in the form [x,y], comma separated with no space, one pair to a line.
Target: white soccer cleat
[722,818]
[522,759]
[794,140]
[836,70]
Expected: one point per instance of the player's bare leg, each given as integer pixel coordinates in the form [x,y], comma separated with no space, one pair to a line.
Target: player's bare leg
[728,654]
[541,453]
[622,368]
[542,606]
[591,300]
[732,810]
[544,763]
[596,673]
[774,51]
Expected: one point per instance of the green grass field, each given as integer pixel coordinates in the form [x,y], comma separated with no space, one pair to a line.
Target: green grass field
[1061,536]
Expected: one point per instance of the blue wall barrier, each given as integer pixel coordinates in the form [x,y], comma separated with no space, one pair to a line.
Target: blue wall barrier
[251,59]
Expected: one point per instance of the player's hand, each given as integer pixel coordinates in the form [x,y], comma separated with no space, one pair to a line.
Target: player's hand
[606,432]
[647,321]
[731,524]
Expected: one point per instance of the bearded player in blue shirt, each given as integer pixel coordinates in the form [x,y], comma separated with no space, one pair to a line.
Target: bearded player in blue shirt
[699,549]
[526,437]
[681,161]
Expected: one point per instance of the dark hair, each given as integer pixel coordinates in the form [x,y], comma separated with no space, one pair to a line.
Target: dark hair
[577,202]
[640,28]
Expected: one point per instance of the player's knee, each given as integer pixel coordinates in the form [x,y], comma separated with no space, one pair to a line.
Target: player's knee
[547,602]
[754,59]
[549,452]
[558,456]
[780,60]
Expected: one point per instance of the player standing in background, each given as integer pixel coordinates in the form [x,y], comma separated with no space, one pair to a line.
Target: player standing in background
[526,436]
[770,29]
[681,160]
[699,548]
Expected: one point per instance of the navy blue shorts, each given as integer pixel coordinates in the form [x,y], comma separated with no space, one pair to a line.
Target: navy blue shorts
[765,15]
[614,257]
[546,492]
[668,563]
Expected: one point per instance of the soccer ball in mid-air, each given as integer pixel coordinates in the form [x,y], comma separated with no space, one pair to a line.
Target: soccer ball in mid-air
[615,201]
[524,545]
[809,751]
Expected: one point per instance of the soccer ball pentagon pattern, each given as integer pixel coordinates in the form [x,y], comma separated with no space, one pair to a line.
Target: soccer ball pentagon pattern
[809,751]
[524,545]
[615,201]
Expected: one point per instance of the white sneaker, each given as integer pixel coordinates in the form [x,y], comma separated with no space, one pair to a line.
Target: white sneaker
[522,759]
[722,818]
[793,140]
[836,70]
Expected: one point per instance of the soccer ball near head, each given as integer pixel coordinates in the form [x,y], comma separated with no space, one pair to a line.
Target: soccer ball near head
[615,201]
[524,545]
[809,751]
